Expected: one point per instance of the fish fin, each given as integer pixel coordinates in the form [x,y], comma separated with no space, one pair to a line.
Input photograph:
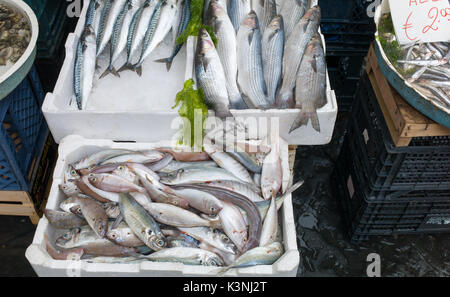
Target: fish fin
[314,64]
[107,71]
[168,62]
[118,220]
[205,63]
[138,69]
[250,37]
[214,222]
[126,66]
[303,119]
[273,34]
[97,67]
[115,72]
[285,100]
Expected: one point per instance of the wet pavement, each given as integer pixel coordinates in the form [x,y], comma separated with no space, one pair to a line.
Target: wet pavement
[325,249]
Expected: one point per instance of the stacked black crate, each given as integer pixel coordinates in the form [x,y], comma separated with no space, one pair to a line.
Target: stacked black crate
[384,189]
[349,29]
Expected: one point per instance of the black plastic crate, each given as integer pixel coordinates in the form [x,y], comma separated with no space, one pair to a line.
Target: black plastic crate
[344,86]
[353,10]
[415,212]
[348,34]
[423,165]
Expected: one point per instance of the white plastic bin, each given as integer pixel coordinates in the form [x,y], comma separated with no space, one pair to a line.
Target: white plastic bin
[140,108]
[72,149]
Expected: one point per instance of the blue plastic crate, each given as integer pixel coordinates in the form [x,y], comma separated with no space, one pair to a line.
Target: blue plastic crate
[22,133]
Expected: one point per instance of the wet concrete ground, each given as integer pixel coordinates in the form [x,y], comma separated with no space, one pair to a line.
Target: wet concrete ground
[323,243]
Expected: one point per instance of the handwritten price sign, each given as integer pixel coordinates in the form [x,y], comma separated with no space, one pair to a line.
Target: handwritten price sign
[421,20]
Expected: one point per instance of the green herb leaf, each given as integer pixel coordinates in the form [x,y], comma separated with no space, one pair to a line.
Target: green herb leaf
[196,23]
[192,106]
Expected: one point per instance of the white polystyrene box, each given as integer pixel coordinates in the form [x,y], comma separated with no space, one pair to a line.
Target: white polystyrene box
[72,149]
[140,108]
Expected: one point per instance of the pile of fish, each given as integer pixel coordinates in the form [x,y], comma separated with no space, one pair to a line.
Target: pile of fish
[267,56]
[432,70]
[131,28]
[15,34]
[213,208]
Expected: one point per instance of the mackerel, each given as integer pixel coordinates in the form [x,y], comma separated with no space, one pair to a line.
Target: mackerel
[114,11]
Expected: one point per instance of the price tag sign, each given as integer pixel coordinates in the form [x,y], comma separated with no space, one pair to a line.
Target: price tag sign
[421,20]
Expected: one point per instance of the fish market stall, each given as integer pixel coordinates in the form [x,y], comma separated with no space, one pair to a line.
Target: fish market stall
[418,71]
[48,262]
[17,43]
[123,108]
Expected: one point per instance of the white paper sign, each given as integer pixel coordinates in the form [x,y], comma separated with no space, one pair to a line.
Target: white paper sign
[421,20]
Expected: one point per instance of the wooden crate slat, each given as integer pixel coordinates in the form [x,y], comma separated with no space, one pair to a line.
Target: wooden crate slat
[403,120]
[14,196]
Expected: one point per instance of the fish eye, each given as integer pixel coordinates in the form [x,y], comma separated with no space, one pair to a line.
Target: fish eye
[212,209]
[120,168]
[175,202]
[66,236]
[160,243]
[114,235]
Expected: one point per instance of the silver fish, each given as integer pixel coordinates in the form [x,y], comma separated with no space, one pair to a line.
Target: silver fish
[202,201]
[311,85]
[212,237]
[186,255]
[64,220]
[113,13]
[124,236]
[98,17]
[211,75]
[272,55]
[266,255]
[233,224]
[270,11]
[239,9]
[95,215]
[175,165]
[142,223]
[248,190]
[84,69]
[250,67]
[258,7]
[226,49]
[246,160]
[272,175]
[198,175]
[270,226]
[292,12]
[99,157]
[293,53]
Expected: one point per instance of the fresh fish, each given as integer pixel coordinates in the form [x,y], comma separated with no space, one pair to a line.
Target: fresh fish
[212,237]
[197,175]
[161,164]
[248,190]
[227,258]
[95,215]
[137,31]
[69,189]
[250,67]
[163,19]
[137,157]
[142,171]
[96,23]
[119,38]
[113,13]
[270,226]
[98,194]
[246,160]
[99,157]
[428,63]
[211,75]
[185,255]
[253,216]
[257,179]
[113,183]
[124,172]
[175,165]
[233,224]
[311,85]
[228,163]
[63,220]
[178,217]
[69,254]
[85,238]
[124,236]
[202,201]
[101,23]
[238,11]
[258,7]
[84,69]
[266,255]
[185,17]
[272,55]
[227,51]
[293,53]
[178,239]
[142,223]
[186,156]
[272,174]
[270,11]
[90,14]
[292,11]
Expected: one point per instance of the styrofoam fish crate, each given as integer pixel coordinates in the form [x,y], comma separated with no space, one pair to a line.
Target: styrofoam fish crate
[71,149]
[140,108]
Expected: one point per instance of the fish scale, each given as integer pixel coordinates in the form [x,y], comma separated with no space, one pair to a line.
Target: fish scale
[292,11]
[103,18]
[133,27]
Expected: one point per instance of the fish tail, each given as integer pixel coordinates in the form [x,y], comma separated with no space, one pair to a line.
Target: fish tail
[168,62]
[108,71]
[126,66]
[236,102]
[138,69]
[303,119]
[285,100]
